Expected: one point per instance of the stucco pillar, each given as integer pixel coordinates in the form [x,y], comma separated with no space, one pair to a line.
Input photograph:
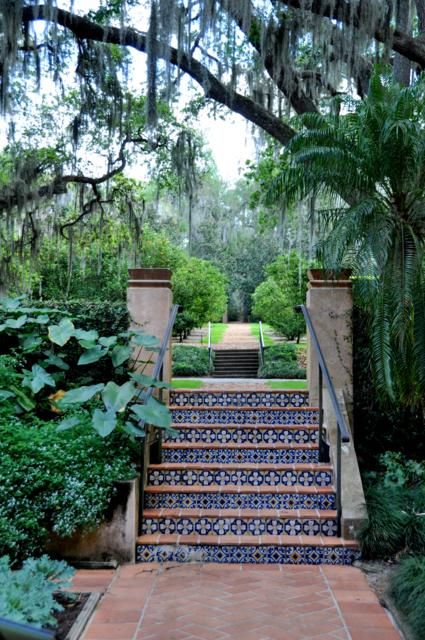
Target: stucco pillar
[149,300]
[330,305]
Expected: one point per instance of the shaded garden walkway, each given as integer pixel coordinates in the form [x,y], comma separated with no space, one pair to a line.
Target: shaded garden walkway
[235,602]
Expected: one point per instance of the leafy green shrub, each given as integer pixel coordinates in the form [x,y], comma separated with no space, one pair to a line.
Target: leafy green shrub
[396,507]
[27,594]
[190,361]
[55,481]
[382,536]
[408,590]
[280,361]
[30,332]
[106,317]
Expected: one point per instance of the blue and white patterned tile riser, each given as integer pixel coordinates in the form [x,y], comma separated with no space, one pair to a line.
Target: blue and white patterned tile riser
[254,477]
[182,500]
[252,554]
[239,399]
[272,456]
[241,435]
[240,526]
[245,416]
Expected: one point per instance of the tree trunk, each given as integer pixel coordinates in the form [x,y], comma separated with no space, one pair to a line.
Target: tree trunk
[402,66]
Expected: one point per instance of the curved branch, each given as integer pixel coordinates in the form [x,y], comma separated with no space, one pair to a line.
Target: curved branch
[84,28]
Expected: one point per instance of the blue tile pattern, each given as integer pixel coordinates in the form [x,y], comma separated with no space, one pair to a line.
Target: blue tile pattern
[240,526]
[242,427]
[186,500]
[239,399]
[240,435]
[224,455]
[255,477]
[245,416]
[252,554]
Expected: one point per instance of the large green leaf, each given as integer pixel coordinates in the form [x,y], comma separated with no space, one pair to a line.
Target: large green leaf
[5,394]
[81,394]
[92,355]
[120,354]
[91,336]
[153,412]
[16,324]
[31,342]
[133,430]
[116,397]
[104,422]
[37,379]
[55,361]
[42,319]
[148,381]
[68,423]
[22,399]
[108,341]
[62,332]
[145,340]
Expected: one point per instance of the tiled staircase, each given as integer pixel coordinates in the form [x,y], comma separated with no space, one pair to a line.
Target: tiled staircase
[242,483]
[235,363]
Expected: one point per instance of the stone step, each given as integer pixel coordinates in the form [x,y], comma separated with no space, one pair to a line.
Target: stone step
[246,433]
[258,453]
[241,474]
[247,399]
[245,415]
[267,549]
[239,497]
[242,522]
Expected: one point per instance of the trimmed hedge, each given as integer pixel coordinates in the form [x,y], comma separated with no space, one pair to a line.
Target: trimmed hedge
[281,361]
[190,361]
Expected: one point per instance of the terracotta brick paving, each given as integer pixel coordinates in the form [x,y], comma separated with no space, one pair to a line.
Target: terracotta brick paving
[234,602]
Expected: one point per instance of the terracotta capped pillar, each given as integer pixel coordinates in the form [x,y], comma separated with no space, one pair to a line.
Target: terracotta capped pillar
[149,301]
[330,304]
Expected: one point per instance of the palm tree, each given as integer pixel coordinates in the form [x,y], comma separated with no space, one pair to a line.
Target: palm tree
[369,162]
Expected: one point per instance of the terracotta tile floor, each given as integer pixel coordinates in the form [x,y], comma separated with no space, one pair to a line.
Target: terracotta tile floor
[234,602]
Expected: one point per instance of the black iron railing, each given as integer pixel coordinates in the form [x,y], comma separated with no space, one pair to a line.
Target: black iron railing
[157,376]
[343,432]
[261,340]
[210,351]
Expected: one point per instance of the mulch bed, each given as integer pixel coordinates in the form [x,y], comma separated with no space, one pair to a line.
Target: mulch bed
[72,608]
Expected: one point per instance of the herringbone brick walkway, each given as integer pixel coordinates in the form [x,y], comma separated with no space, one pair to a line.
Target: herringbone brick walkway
[236,602]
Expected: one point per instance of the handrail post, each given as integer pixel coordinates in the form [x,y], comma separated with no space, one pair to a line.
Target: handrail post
[209,346]
[321,456]
[261,338]
[338,484]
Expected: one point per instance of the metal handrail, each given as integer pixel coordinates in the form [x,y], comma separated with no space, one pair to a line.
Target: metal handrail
[261,338]
[209,347]
[157,376]
[343,432]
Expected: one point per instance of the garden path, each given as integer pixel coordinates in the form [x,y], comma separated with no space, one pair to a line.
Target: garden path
[235,602]
[238,336]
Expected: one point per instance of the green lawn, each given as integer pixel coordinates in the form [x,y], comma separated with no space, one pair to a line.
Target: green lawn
[217,331]
[287,384]
[254,327]
[187,384]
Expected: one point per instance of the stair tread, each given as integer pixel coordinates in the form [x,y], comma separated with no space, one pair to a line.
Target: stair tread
[246,540]
[175,407]
[249,466]
[240,513]
[278,427]
[233,445]
[238,488]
